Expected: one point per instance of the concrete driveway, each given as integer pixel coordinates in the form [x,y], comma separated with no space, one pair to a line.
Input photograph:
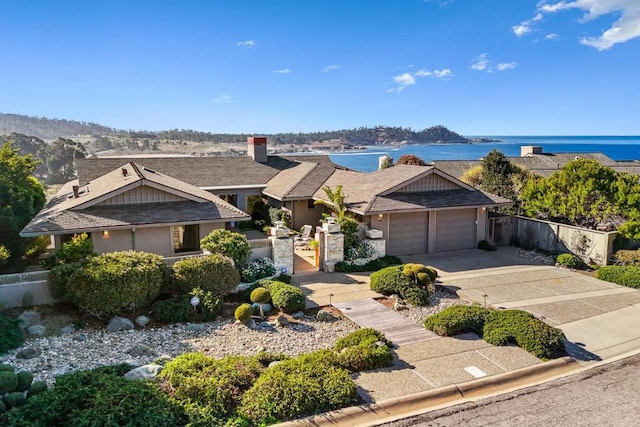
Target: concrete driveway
[598,318]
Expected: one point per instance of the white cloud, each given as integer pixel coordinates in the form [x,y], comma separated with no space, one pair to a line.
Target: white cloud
[246,43]
[506,66]
[551,36]
[331,68]
[481,63]
[521,29]
[627,27]
[407,79]
[224,99]
[282,71]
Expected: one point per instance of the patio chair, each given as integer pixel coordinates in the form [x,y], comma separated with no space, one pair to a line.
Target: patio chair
[304,238]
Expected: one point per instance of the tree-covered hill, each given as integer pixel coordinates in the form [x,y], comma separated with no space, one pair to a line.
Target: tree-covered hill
[51,129]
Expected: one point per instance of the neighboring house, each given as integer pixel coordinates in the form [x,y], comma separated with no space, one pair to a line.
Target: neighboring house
[533,159]
[418,208]
[134,207]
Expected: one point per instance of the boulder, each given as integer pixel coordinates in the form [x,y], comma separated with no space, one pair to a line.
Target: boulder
[142,321]
[145,372]
[325,316]
[282,321]
[36,330]
[120,324]
[67,330]
[28,353]
[197,327]
[298,315]
[28,318]
[141,351]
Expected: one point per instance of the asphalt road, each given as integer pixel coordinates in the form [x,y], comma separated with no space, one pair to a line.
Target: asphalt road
[605,396]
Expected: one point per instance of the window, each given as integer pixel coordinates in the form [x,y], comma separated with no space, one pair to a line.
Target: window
[186,238]
[311,204]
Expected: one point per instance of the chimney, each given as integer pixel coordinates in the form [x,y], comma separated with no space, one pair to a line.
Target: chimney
[76,192]
[125,172]
[528,150]
[257,148]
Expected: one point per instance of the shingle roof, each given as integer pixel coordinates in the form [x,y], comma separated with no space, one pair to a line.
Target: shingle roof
[66,212]
[372,193]
[298,182]
[202,171]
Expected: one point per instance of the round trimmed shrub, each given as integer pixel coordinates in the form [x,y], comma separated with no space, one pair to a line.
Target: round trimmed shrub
[260,295]
[8,382]
[433,274]
[230,243]
[210,305]
[215,273]
[361,336]
[174,310]
[214,385]
[243,313]
[285,297]
[365,357]
[10,334]
[114,282]
[389,280]
[457,319]
[297,387]
[14,399]
[414,295]
[36,388]
[569,261]
[25,378]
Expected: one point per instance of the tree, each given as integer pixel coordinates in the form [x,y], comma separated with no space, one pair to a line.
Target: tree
[502,178]
[473,176]
[335,204]
[411,159]
[586,194]
[21,197]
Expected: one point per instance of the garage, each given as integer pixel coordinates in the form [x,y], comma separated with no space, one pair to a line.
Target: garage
[455,229]
[408,233]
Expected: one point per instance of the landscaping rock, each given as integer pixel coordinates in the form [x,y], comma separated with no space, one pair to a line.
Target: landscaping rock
[274,363]
[251,324]
[80,337]
[197,327]
[325,316]
[141,350]
[28,318]
[282,321]
[36,330]
[266,307]
[142,320]
[120,324]
[145,372]
[67,330]
[298,315]
[28,353]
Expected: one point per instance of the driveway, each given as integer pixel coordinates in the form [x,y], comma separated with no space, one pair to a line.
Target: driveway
[598,318]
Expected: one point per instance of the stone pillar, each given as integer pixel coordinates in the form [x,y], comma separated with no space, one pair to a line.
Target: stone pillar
[282,253]
[333,250]
[379,245]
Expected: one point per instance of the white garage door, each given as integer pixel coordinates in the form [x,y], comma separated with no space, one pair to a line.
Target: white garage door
[408,233]
[455,229]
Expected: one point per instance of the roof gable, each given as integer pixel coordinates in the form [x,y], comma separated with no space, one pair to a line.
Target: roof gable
[431,179]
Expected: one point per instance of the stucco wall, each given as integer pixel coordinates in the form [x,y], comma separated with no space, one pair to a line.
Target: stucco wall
[303,215]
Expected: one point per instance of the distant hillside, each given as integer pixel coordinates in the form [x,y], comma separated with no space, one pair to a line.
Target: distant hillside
[51,129]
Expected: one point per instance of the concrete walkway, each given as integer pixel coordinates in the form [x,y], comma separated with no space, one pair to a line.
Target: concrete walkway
[369,313]
[323,288]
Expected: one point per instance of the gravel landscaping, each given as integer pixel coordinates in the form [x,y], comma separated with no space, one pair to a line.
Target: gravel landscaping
[438,301]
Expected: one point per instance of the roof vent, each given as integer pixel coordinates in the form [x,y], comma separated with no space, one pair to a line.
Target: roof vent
[76,191]
[576,158]
[125,172]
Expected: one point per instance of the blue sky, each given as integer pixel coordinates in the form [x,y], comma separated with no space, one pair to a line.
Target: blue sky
[479,67]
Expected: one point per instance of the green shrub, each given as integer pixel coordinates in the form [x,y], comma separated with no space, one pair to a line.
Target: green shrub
[361,336]
[620,275]
[360,351]
[432,272]
[504,327]
[14,399]
[59,277]
[4,255]
[295,388]
[25,378]
[115,282]
[6,367]
[570,261]
[100,397]
[174,310]
[627,258]
[285,297]
[260,295]
[217,385]
[457,319]
[38,246]
[402,281]
[10,334]
[374,265]
[79,248]
[243,313]
[8,382]
[215,273]
[284,278]
[229,243]
[37,387]
[258,269]
[210,306]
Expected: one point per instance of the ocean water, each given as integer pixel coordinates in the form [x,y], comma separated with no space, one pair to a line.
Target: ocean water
[616,147]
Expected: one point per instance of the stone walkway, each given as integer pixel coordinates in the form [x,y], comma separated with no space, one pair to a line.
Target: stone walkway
[369,313]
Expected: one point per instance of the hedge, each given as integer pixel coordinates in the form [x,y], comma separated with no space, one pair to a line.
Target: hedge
[457,319]
[374,265]
[10,334]
[364,349]
[570,261]
[391,280]
[113,282]
[621,275]
[230,243]
[214,273]
[285,297]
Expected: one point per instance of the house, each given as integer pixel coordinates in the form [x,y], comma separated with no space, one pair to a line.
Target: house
[419,209]
[166,204]
[134,207]
[533,159]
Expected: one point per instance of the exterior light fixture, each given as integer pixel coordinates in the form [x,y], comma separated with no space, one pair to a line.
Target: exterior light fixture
[380,216]
[105,233]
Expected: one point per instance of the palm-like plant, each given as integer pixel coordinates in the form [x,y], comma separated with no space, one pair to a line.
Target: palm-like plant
[335,204]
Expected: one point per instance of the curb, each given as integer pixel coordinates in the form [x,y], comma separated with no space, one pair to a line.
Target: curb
[414,404]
